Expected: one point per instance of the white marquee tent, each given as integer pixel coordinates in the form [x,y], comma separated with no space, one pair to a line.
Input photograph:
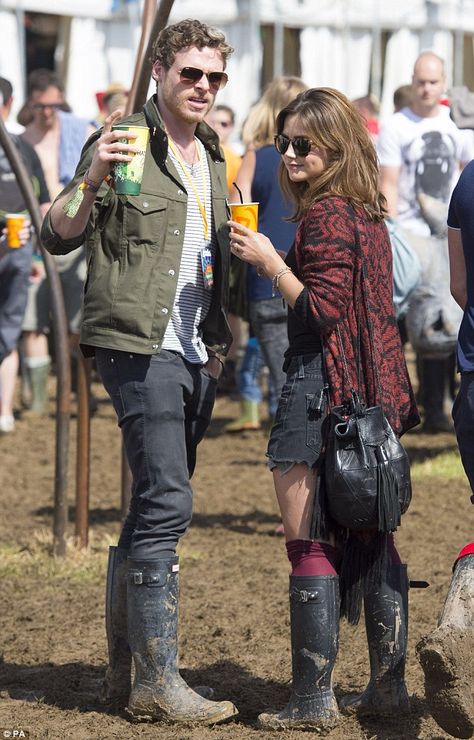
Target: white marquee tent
[358,46]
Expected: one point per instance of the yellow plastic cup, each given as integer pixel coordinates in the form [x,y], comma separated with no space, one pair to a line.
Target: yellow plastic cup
[14,224]
[128,175]
[245,214]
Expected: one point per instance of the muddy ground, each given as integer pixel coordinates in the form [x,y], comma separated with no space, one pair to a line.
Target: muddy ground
[234,574]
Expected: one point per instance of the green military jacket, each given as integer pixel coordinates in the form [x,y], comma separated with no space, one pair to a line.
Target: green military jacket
[134,246]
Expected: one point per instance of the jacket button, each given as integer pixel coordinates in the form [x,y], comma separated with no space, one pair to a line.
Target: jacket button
[154,346]
[171,272]
[164,310]
[180,192]
[145,204]
[176,232]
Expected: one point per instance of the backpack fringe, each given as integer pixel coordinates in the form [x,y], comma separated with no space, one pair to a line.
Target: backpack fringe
[389,513]
[363,566]
[321,524]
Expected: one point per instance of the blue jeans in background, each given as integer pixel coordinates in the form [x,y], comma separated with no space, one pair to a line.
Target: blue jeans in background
[249,377]
[269,323]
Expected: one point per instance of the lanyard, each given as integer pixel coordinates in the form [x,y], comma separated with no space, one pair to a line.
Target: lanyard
[201,204]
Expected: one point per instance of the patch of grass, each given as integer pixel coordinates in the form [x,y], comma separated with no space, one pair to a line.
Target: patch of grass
[83,565]
[80,565]
[446,465]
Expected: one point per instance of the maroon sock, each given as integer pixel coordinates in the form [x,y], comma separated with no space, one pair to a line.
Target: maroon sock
[309,558]
[392,551]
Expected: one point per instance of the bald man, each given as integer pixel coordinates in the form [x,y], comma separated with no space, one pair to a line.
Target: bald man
[421,150]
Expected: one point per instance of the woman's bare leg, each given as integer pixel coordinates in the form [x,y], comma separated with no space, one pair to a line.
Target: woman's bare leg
[295,493]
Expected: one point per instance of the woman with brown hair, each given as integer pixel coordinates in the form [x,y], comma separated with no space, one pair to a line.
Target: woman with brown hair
[329,170]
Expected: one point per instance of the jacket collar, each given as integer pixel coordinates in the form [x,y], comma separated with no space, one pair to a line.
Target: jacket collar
[157,131]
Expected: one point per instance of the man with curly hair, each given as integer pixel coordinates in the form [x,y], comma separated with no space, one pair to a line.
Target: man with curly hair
[154,317]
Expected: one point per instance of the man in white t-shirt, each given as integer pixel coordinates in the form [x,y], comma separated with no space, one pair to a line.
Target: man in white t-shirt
[421,150]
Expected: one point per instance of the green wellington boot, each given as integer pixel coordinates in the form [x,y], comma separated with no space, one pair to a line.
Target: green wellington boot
[249,419]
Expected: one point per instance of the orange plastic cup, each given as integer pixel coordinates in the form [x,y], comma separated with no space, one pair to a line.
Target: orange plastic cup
[245,214]
[14,223]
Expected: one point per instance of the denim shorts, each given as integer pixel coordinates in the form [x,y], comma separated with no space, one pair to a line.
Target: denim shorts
[296,434]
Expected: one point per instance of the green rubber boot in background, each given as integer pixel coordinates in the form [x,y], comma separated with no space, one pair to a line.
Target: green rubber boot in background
[35,396]
[249,418]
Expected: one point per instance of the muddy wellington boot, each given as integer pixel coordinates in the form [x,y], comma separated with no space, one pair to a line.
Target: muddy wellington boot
[117,682]
[314,618]
[386,624]
[158,691]
[447,656]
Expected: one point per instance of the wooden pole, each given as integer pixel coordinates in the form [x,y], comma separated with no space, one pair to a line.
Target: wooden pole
[151,27]
[83,450]
[152,23]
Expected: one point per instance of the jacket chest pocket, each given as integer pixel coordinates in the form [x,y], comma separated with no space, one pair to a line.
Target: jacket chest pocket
[145,219]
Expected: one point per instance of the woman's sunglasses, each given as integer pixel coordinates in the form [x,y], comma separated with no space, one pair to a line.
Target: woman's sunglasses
[191,75]
[301,144]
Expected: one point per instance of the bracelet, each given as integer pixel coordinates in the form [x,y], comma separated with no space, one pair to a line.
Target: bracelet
[93,185]
[276,279]
[214,354]
[71,207]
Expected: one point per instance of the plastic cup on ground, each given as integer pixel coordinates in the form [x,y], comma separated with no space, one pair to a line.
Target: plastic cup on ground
[128,175]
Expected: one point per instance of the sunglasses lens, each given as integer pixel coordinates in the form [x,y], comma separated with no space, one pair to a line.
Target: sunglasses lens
[282,143]
[191,74]
[217,80]
[302,146]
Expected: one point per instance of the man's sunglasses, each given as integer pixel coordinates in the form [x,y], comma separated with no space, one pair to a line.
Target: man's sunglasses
[301,144]
[191,75]
[43,106]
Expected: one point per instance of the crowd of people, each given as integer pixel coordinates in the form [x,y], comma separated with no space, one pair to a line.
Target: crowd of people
[147,280]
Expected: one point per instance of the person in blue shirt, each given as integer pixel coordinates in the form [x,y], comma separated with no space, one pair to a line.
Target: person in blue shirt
[461,263]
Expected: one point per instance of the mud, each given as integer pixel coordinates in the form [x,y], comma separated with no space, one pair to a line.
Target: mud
[449,690]
[234,618]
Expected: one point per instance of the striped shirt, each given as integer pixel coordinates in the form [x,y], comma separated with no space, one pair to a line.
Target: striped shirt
[192,299]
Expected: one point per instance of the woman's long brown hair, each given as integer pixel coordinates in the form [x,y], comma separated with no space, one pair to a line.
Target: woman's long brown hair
[334,124]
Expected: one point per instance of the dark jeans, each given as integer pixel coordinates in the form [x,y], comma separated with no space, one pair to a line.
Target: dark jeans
[463,416]
[269,323]
[164,406]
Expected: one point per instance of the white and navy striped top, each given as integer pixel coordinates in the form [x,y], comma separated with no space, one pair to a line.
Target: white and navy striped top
[192,300]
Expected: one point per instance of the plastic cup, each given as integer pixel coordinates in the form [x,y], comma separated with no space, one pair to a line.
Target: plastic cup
[128,175]
[245,214]
[14,224]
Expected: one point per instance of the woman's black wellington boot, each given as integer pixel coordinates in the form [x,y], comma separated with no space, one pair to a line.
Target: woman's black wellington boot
[314,615]
[386,624]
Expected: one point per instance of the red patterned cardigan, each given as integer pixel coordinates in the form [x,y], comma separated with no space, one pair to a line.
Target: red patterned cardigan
[329,263]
